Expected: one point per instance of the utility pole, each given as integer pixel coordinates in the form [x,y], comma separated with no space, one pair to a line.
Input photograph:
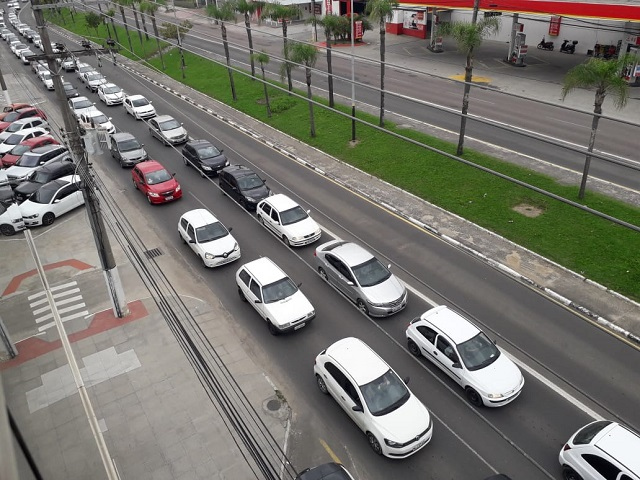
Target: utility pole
[114,285]
[7,98]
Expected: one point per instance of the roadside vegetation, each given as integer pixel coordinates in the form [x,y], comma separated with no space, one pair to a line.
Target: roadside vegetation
[594,247]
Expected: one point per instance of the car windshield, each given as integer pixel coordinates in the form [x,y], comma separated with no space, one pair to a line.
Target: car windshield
[14,127]
[100,119]
[19,149]
[28,160]
[293,215]
[208,152]
[82,104]
[95,76]
[3,208]
[40,176]
[140,102]
[46,75]
[129,145]
[86,68]
[68,86]
[385,394]
[159,176]
[371,273]
[169,125]
[14,139]
[45,193]
[276,291]
[249,182]
[113,89]
[11,117]
[478,352]
[211,232]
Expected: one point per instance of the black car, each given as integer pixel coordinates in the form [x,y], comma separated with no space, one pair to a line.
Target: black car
[243,185]
[49,172]
[204,156]
[6,194]
[69,90]
[326,471]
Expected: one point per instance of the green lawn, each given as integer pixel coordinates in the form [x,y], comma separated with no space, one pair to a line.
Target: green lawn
[596,248]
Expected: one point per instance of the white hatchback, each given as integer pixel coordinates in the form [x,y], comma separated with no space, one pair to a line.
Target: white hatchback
[10,219]
[52,200]
[467,355]
[287,220]
[111,94]
[275,297]
[210,240]
[396,422]
[139,107]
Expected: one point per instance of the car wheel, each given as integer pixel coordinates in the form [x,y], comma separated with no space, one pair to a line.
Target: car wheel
[323,274]
[473,397]
[272,328]
[203,262]
[182,238]
[245,205]
[569,473]
[48,218]
[413,348]
[135,185]
[362,307]
[321,385]
[374,443]
[241,295]
[7,230]
[202,174]
[260,219]
[285,240]
[186,162]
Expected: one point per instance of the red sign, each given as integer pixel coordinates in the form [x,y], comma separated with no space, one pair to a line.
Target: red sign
[523,49]
[327,6]
[357,27]
[554,26]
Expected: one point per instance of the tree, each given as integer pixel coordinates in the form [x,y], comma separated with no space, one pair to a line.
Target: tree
[151,8]
[380,11]
[283,13]
[225,13]
[93,20]
[177,32]
[606,77]
[247,8]
[262,58]
[121,4]
[132,4]
[330,24]
[469,37]
[142,17]
[305,54]
[110,14]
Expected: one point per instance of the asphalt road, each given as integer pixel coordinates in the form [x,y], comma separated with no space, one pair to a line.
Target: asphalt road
[583,363]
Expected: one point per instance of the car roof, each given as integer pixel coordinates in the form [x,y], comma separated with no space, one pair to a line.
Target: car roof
[265,270]
[47,148]
[326,471]
[149,166]
[27,120]
[622,444]
[351,253]
[197,143]
[199,217]
[26,131]
[358,359]
[135,97]
[55,165]
[238,170]
[280,202]
[458,328]
[77,99]
[118,137]
[163,118]
[35,140]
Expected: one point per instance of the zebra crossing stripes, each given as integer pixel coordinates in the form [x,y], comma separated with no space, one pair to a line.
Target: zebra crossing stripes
[68,300]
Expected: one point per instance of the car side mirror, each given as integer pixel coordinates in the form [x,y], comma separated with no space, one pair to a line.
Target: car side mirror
[456,365]
[173,174]
[389,266]
[191,240]
[110,118]
[257,300]
[406,380]
[300,284]
[350,283]
[57,200]
[230,228]
[142,144]
[357,408]
[308,212]
[181,123]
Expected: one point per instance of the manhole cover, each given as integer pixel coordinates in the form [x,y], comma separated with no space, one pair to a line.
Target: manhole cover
[274,405]
[154,252]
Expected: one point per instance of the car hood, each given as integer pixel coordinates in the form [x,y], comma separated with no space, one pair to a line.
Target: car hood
[291,308]
[502,376]
[175,132]
[134,154]
[13,213]
[4,148]
[303,227]
[216,161]
[144,109]
[5,135]
[222,245]
[27,188]
[10,158]
[164,186]
[257,193]
[404,423]
[4,125]
[28,208]
[388,291]
[3,177]
[17,171]
[114,96]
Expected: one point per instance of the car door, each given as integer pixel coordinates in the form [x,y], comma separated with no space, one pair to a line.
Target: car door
[138,179]
[340,276]
[274,222]
[234,191]
[154,128]
[345,393]
[60,203]
[446,356]
[191,239]
[189,155]
[255,297]
[127,106]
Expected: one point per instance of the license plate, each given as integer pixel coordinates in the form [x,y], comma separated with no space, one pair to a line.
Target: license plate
[170,197]
[298,327]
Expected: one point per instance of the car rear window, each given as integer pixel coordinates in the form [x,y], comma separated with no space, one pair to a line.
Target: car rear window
[585,436]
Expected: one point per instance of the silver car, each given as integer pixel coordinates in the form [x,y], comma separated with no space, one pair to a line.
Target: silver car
[360,277]
[168,130]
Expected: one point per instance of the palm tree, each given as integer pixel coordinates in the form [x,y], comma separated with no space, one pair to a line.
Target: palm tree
[225,13]
[142,17]
[121,4]
[606,77]
[150,8]
[380,11]
[132,4]
[469,37]
[263,59]
[305,54]
[283,13]
[177,32]
[247,8]
[112,13]
[330,25]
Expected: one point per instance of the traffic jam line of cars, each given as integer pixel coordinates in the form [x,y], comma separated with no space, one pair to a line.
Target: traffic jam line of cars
[40,184]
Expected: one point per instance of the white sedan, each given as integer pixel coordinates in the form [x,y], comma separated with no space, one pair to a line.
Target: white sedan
[210,240]
[110,94]
[467,355]
[93,80]
[52,200]
[287,220]
[139,107]
[47,79]
[98,119]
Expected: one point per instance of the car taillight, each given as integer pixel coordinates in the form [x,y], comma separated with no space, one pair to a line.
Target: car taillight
[566,447]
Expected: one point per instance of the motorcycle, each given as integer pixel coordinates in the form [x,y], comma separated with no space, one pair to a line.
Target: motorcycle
[544,45]
[567,47]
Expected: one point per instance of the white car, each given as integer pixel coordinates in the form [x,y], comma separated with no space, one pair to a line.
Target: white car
[139,107]
[37,41]
[17,49]
[275,297]
[110,94]
[83,68]
[47,79]
[20,137]
[287,220]
[52,200]
[467,355]
[395,421]
[210,240]
[99,120]
[10,219]
[80,105]
[93,80]
[22,124]
[24,54]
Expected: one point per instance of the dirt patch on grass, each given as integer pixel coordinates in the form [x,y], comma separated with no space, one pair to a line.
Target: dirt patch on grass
[528,210]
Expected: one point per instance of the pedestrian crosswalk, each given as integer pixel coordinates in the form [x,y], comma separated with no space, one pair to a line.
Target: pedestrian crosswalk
[68,300]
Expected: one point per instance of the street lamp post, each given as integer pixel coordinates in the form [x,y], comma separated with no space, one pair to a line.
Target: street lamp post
[353,79]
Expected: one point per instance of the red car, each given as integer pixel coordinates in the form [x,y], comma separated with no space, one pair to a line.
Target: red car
[9,159]
[13,107]
[157,184]
[21,113]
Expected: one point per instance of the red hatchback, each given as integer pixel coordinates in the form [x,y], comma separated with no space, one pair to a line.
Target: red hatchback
[21,113]
[13,107]
[157,184]
[10,158]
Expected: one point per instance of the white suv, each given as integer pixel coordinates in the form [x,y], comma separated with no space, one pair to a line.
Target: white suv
[274,295]
[208,238]
[601,450]
[395,422]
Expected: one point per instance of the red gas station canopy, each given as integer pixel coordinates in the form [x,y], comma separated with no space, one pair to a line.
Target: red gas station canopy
[610,11]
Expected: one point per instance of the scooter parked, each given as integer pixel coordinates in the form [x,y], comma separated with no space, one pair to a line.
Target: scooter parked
[567,47]
[544,45]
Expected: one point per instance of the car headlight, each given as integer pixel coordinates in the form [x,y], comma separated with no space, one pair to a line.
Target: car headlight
[205,167]
[16,220]
[236,247]
[252,200]
[391,443]
[312,313]
[297,239]
[226,164]
[153,194]
[35,215]
[495,395]
[178,188]
[376,304]
[209,256]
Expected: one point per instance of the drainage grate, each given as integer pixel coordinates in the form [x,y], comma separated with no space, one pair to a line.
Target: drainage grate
[154,252]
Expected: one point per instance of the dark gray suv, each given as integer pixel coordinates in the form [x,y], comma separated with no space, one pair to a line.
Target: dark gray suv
[243,185]
[204,156]
[127,149]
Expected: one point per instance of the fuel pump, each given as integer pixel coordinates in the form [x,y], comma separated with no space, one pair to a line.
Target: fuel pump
[519,49]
